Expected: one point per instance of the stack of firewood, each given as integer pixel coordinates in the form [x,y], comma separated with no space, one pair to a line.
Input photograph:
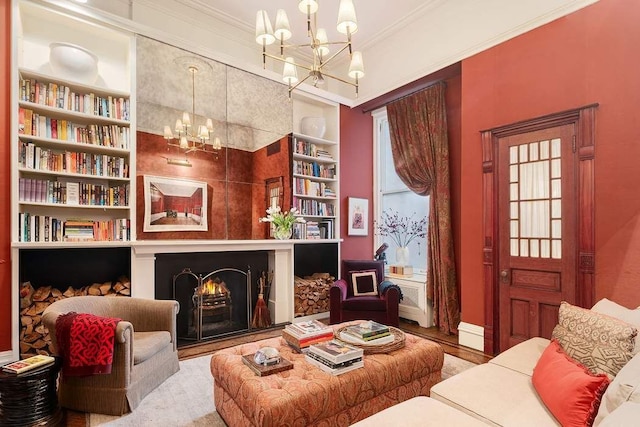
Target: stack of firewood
[311,294]
[34,337]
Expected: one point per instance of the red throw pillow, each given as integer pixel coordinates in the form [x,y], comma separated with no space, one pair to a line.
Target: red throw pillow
[568,389]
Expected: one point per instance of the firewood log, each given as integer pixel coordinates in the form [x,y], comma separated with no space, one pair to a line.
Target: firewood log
[42,293]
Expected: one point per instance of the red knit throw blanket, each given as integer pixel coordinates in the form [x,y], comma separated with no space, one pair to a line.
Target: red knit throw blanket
[85,342]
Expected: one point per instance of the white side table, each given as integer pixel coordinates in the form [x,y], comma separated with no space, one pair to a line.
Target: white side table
[414,305]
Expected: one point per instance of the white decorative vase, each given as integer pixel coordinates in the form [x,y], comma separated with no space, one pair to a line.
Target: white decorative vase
[73,62]
[313,126]
[402,256]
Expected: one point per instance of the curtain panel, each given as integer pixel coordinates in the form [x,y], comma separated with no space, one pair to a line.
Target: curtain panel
[420,149]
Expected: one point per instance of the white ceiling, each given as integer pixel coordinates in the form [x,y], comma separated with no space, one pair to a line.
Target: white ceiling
[401,40]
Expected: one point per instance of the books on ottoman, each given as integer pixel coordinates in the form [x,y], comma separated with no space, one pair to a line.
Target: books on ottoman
[335,357]
[302,344]
[333,371]
[310,328]
[336,351]
[303,334]
[367,331]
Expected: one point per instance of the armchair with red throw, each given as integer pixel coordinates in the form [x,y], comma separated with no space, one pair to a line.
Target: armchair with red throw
[358,295]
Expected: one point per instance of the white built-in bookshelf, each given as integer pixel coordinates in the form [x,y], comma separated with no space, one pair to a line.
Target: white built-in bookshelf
[74,152]
[315,168]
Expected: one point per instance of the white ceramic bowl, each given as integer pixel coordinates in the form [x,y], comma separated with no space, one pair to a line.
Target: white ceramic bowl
[73,62]
[313,126]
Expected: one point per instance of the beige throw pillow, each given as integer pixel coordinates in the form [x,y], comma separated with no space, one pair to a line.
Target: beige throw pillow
[600,342]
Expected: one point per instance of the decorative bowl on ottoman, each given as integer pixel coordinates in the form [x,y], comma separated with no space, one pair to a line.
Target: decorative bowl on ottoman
[313,126]
[73,62]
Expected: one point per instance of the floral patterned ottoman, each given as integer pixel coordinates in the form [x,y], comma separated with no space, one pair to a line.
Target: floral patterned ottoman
[307,396]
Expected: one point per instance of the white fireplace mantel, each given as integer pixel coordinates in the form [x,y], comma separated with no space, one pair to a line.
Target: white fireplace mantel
[280,262]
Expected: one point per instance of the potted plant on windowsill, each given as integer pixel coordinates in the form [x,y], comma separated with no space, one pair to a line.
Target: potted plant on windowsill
[402,230]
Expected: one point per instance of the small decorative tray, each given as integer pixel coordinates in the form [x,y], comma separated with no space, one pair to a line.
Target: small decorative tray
[372,347]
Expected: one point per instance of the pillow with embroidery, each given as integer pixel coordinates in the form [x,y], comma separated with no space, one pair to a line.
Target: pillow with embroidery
[601,343]
[364,283]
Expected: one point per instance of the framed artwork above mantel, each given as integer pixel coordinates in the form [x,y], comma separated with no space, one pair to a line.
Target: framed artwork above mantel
[174,204]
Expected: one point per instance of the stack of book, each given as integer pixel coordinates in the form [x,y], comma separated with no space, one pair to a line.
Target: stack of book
[335,357]
[28,364]
[369,332]
[301,335]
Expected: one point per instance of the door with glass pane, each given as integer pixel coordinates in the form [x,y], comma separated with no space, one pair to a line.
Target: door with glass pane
[536,231]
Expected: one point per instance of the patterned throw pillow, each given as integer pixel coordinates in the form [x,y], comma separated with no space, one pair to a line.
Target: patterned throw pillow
[601,343]
[364,283]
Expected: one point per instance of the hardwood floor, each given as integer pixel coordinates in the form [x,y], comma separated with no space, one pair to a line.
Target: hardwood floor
[448,342]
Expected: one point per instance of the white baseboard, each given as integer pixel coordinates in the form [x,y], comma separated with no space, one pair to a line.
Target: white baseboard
[6,357]
[470,335]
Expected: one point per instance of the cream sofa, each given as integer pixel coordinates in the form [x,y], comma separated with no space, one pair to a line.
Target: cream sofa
[501,393]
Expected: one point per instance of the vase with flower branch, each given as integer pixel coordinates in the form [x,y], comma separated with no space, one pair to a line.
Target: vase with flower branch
[282,222]
[402,230]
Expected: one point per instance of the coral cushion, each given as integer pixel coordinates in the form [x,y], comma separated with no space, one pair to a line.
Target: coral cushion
[567,388]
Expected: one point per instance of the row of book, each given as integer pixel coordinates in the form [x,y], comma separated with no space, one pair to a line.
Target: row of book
[34,124]
[306,148]
[314,169]
[32,156]
[308,187]
[72,193]
[313,207]
[43,228]
[60,96]
[314,230]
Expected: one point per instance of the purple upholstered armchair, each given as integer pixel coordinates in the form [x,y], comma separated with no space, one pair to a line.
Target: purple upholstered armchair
[348,302]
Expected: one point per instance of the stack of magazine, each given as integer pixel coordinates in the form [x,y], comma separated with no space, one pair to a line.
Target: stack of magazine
[335,357]
[369,332]
[301,335]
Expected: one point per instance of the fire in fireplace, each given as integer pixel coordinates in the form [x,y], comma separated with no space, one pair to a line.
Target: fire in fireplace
[213,301]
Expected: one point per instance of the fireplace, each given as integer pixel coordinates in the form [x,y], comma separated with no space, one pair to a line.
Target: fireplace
[217,291]
[212,304]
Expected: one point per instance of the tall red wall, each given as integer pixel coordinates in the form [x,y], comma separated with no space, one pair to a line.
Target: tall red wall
[356,177]
[590,56]
[5,176]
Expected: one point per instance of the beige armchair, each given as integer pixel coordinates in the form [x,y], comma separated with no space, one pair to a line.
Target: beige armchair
[145,352]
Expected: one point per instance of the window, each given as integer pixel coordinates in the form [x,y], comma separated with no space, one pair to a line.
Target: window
[391,194]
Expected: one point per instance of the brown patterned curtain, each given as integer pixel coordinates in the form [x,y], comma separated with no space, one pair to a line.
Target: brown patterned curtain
[420,148]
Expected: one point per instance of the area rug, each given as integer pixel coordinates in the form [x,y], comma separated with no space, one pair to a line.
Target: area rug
[186,398]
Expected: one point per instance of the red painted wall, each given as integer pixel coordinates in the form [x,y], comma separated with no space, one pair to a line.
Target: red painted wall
[587,57]
[5,176]
[356,177]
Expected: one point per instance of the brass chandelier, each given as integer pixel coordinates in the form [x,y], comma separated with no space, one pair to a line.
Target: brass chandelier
[191,137]
[318,42]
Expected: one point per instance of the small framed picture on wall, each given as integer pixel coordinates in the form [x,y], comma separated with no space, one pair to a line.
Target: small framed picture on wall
[358,219]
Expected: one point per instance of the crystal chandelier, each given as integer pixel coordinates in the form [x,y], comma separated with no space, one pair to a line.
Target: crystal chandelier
[190,137]
[318,42]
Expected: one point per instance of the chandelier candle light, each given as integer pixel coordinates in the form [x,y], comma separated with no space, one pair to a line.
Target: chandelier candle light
[318,42]
[185,138]
[282,222]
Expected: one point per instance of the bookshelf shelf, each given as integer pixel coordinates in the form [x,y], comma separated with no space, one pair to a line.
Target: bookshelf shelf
[314,178]
[61,113]
[66,206]
[298,156]
[73,175]
[309,196]
[72,145]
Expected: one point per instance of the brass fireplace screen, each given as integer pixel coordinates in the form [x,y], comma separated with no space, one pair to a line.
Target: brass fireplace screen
[213,304]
